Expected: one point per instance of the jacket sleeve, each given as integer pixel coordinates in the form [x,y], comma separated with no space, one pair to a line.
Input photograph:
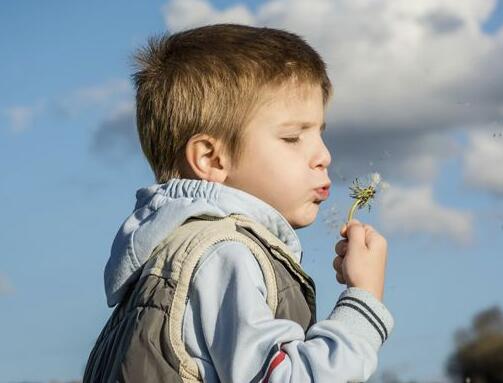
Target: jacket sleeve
[246,343]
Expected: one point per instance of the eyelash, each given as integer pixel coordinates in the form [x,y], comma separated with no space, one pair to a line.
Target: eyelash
[293,140]
[296,140]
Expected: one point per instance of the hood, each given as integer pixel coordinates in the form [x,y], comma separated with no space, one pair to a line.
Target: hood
[161,208]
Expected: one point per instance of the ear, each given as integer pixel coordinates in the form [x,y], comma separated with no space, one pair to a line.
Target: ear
[205,158]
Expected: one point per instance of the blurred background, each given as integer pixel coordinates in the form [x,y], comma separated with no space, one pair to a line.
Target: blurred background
[418,98]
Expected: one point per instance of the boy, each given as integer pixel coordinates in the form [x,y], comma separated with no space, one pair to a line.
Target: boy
[206,271]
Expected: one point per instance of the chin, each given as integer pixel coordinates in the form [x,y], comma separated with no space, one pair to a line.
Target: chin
[299,224]
[303,217]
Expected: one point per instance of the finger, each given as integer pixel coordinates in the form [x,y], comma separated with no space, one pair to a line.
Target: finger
[369,232]
[377,242]
[337,263]
[343,231]
[334,263]
[340,278]
[341,247]
[372,236]
[356,235]
[368,228]
[344,227]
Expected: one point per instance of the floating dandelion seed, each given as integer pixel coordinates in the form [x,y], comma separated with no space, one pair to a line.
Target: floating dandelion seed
[331,218]
[384,185]
[363,195]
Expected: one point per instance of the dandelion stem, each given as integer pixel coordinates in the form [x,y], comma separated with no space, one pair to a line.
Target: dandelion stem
[352,210]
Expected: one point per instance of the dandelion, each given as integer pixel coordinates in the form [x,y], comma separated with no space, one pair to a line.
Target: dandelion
[363,195]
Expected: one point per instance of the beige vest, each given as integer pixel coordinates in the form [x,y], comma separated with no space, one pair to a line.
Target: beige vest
[155,306]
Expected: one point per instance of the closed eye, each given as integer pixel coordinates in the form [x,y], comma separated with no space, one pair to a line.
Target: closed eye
[293,140]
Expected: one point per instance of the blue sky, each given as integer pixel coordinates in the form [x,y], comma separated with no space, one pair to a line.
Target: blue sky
[70,168]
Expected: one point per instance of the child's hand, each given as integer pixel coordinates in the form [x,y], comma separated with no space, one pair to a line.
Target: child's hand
[361,259]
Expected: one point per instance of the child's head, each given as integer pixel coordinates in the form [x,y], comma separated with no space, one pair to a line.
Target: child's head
[209,104]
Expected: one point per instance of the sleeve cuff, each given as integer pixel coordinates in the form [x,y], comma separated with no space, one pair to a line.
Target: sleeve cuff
[364,314]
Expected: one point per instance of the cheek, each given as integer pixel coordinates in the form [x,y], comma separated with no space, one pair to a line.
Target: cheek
[276,165]
[281,171]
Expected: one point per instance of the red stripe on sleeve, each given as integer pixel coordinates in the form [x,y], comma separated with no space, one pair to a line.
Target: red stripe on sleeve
[275,363]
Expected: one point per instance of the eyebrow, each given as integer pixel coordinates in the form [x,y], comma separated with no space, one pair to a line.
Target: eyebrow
[304,125]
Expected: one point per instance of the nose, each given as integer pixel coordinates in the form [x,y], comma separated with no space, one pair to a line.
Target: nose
[322,157]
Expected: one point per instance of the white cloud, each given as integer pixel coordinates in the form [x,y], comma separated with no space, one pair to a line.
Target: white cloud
[103,92]
[482,161]
[398,67]
[411,210]
[423,166]
[107,95]
[190,13]
[395,60]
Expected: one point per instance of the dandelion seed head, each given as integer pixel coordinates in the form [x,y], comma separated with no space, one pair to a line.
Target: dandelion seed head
[364,194]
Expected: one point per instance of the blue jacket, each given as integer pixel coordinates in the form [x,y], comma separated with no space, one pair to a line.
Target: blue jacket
[230,288]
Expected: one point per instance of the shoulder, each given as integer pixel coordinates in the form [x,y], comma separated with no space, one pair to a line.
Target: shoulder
[227,260]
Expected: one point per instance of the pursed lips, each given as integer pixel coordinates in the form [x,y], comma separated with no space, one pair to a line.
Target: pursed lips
[323,192]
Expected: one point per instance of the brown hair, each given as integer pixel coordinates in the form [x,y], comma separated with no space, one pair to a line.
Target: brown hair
[209,80]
